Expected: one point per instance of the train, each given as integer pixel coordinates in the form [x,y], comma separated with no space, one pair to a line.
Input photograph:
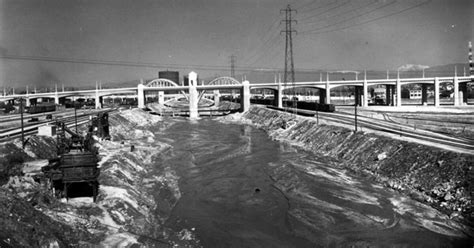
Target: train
[299,104]
[35,109]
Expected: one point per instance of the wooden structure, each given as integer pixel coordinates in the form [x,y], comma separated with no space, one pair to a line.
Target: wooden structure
[76,166]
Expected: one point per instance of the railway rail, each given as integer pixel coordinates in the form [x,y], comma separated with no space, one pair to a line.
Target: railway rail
[32,128]
[452,143]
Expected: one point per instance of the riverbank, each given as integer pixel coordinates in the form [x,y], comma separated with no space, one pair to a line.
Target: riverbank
[439,178]
[135,193]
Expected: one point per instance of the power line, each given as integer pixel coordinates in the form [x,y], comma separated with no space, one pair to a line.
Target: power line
[320,7]
[368,21]
[275,43]
[305,5]
[269,35]
[343,13]
[271,52]
[335,7]
[128,64]
[351,18]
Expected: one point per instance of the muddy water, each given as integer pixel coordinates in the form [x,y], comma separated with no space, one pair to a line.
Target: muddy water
[241,189]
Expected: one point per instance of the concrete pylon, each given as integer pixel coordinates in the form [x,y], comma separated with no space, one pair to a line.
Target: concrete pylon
[193,96]
[388,95]
[27,102]
[97,100]
[161,97]
[279,95]
[245,96]
[456,91]
[399,92]
[365,97]
[328,91]
[436,92]
[424,94]
[217,96]
[141,94]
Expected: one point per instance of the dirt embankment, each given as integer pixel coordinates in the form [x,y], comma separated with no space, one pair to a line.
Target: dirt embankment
[438,177]
[129,210]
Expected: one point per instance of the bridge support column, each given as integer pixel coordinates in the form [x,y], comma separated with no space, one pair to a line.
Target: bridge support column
[141,94]
[217,97]
[279,95]
[436,92]
[388,95]
[365,93]
[399,93]
[327,99]
[245,96]
[56,99]
[424,94]
[463,93]
[457,100]
[161,97]
[322,95]
[98,104]
[193,96]
[28,102]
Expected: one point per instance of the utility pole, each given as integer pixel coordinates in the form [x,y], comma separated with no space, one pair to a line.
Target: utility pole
[289,74]
[22,125]
[232,65]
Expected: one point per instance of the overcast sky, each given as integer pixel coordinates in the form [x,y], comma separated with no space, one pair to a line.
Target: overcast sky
[40,38]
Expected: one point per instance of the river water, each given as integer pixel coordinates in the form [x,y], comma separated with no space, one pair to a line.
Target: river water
[239,188]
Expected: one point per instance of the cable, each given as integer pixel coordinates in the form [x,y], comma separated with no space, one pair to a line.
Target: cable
[320,7]
[343,13]
[354,17]
[274,44]
[263,44]
[131,64]
[335,7]
[305,5]
[371,20]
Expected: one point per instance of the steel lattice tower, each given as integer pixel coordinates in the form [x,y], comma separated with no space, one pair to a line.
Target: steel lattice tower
[289,74]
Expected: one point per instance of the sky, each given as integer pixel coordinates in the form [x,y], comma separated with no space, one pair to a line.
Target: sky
[79,42]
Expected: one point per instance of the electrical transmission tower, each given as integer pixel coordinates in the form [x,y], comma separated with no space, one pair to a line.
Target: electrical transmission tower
[232,65]
[289,74]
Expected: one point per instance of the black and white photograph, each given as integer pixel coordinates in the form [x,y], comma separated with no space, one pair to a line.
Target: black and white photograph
[236,123]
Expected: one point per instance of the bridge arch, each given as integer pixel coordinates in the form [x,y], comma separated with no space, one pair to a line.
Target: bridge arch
[224,81]
[164,83]
[221,81]
[161,82]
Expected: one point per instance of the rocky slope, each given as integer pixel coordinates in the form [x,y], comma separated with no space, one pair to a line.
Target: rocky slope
[135,194]
[437,177]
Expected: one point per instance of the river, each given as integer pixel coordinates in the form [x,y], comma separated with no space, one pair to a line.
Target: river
[239,188]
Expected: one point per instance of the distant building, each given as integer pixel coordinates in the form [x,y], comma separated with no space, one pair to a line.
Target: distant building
[379,92]
[415,94]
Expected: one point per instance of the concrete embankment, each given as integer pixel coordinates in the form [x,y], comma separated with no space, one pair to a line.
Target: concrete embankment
[438,177]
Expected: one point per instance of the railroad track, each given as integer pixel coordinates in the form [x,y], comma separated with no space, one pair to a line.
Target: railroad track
[32,128]
[457,144]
